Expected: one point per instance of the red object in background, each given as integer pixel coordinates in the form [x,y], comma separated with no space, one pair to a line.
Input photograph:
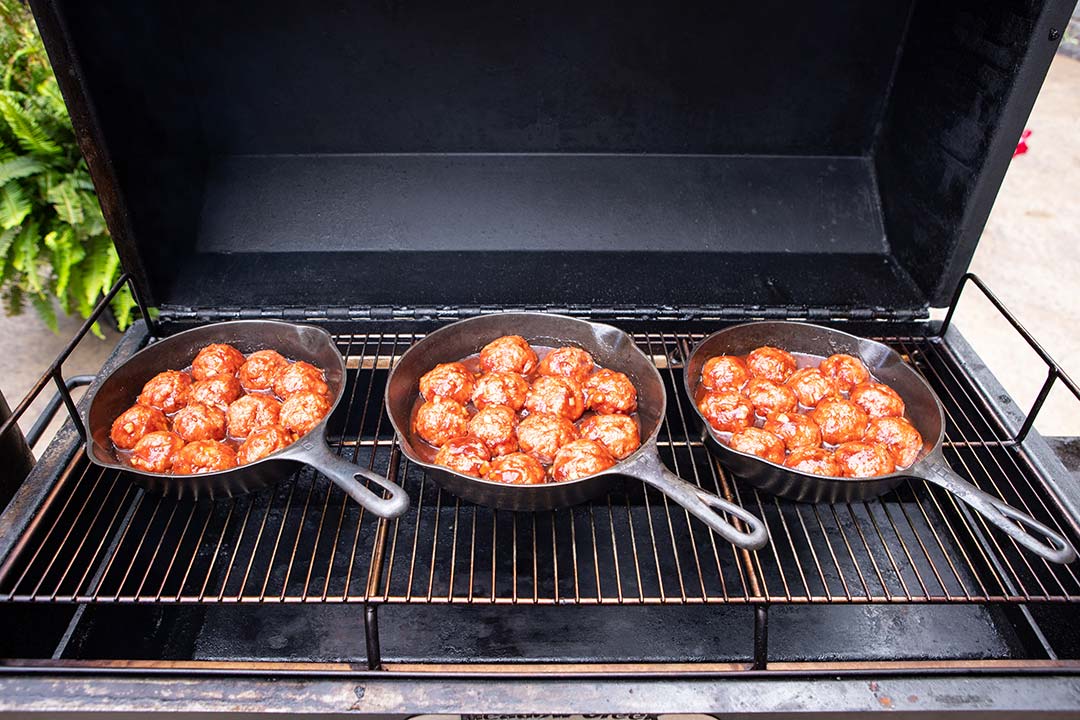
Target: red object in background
[1021,147]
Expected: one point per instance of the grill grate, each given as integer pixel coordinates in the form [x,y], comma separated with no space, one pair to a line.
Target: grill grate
[101,539]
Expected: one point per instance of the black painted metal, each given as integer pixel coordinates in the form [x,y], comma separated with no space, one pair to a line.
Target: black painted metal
[49,411]
[16,454]
[761,637]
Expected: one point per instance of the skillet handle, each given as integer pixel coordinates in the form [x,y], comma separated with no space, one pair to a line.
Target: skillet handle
[345,475]
[648,468]
[1057,549]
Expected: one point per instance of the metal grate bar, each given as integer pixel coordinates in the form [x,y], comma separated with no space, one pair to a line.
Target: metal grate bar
[98,538]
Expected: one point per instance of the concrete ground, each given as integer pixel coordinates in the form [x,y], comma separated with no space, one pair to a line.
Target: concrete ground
[1028,255]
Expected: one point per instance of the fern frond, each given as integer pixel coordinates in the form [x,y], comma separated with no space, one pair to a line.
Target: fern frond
[26,129]
[25,257]
[7,239]
[45,310]
[67,203]
[14,205]
[19,167]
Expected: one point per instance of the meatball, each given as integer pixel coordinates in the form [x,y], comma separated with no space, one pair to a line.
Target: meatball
[769,397]
[452,381]
[199,422]
[251,412]
[303,411]
[262,442]
[847,371]
[877,400]
[556,395]
[864,459]
[501,388]
[168,391]
[216,359]
[724,372]
[541,435]
[579,459]
[570,362]
[510,353]
[466,455]
[899,436]
[138,420]
[608,392]
[299,377]
[796,430]
[771,363]
[618,433]
[726,410]
[811,386]
[155,452]
[840,420]
[440,421]
[496,426]
[218,391]
[816,461]
[258,371]
[517,469]
[755,441]
[204,456]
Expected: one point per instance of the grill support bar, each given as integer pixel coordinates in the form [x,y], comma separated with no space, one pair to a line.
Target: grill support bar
[761,637]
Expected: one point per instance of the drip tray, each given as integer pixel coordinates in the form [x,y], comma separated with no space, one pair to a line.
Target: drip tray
[486,634]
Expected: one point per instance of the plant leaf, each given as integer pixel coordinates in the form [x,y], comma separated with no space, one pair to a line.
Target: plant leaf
[7,239]
[66,253]
[14,205]
[67,203]
[19,167]
[123,307]
[26,250]
[25,127]
[45,310]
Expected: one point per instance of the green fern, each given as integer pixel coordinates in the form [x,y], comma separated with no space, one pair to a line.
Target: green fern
[54,244]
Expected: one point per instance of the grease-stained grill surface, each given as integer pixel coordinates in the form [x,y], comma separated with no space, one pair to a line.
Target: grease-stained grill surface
[101,539]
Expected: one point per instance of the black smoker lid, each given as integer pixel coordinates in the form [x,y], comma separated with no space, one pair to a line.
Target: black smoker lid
[698,156]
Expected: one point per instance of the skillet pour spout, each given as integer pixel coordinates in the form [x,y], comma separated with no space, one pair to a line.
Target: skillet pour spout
[924,410]
[611,348]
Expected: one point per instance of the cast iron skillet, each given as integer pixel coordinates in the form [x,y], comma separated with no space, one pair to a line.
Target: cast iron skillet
[611,348]
[923,409]
[297,342]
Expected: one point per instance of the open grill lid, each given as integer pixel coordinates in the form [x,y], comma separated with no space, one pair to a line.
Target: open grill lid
[831,156]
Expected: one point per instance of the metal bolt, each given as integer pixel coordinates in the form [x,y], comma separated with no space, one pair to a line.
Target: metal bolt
[1054,34]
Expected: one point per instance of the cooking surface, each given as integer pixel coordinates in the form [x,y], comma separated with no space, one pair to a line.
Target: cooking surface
[102,539]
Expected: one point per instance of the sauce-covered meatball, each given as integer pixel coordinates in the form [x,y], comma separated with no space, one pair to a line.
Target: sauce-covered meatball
[452,381]
[263,442]
[510,353]
[771,363]
[299,377]
[811,386]
[877,400]
[608,392]
[864,459]
[303,411]
[556,395]
[618,433]
[542,435]
[216,359]
[899,436]
[724,372]
[466,455]
[218,391]
[726,410]
[579,459]
[570,362]
[840,420]
[796,430]
[756,441]
[768,397]
[258,371]
[817,461]
[846,371]
[251,412]
[496,427]
[440,421]
[517,469]
[168,391]
[203,456]
[138,420]
[501,388]
[156,451]
[199,422]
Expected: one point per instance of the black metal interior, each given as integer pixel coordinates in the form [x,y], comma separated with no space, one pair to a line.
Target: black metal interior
[836,155]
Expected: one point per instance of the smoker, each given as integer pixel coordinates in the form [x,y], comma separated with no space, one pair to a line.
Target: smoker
[381,169]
